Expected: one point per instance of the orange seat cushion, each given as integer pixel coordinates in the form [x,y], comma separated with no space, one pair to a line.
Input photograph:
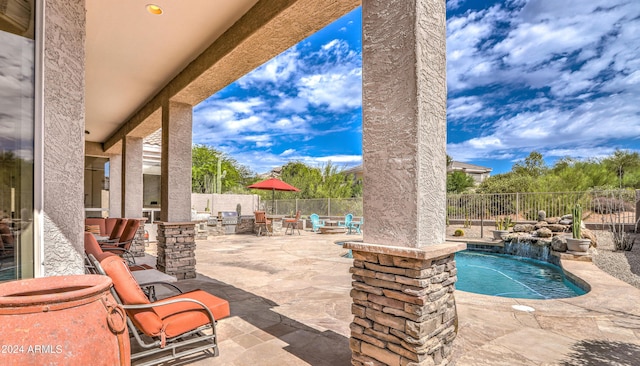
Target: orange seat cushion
[183,317]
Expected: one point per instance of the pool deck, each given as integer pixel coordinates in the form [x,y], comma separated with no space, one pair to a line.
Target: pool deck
[290,305]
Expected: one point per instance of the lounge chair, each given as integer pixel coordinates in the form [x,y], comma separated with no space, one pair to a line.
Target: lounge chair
[122,245]
[316,223]
[116,232]
[178,325]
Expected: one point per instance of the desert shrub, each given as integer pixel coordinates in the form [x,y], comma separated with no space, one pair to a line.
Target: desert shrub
[458,232]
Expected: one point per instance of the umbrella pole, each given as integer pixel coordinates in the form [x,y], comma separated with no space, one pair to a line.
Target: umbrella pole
[273,199]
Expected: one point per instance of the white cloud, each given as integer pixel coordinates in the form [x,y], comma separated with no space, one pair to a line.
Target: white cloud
[560,79]
[288,152]
[277,70]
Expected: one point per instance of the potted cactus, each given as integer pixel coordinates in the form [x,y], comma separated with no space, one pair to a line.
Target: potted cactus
[576,243]
[502,227]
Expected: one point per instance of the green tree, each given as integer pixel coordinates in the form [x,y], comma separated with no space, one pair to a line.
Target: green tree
[622,162]
[458,182]
[533,165]
[207,178]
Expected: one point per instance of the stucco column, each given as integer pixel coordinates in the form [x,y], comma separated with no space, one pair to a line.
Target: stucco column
[59,208]
[404,272]
[176,162]
[131,177]
[115,186]
[176,232]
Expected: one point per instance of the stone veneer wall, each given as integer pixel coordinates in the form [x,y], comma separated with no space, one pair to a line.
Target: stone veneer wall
[176,249]
[138,245]
[404,309]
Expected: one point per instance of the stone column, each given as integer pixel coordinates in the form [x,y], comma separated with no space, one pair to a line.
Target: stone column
[131,177]
[138,244]
[404,272]
[176,231]
[176,248]
[115,186]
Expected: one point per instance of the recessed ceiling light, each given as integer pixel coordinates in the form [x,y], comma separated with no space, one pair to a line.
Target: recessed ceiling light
[154,9]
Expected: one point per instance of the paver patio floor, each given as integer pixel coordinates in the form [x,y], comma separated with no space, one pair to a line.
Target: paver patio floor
[290,305]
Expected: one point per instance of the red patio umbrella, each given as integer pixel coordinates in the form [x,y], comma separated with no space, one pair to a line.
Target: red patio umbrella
[273,185]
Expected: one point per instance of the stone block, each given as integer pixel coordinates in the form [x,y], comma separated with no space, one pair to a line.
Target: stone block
[385,319]
[411,263]
[362,272]
[398,349]
[365,323]
[356,329]
[359,358]
[422,329]
[390,338]
[354,344]
[365,256]
[369,339]
[381,328]
[382,284]
[380,354]
[421,273]
[404,314]
[384,269]
[385,301]
[385,276]
[385,260]
[417,282]
[367,288]
[405,297]
[359,295]
[438,294]
[440,277]
[358,310]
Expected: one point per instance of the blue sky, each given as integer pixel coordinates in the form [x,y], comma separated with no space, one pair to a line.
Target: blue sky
[559,78]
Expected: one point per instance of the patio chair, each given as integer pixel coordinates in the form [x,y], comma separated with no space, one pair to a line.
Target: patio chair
[116,232]
[262,221]
[347,221]
[292,223]
[358,225]
[316,223]
[91,247]
[178,325]
[122,245]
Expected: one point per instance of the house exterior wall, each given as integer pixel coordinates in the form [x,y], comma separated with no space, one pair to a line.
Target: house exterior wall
[62,138]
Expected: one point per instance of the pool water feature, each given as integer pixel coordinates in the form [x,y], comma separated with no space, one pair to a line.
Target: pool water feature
[510,276]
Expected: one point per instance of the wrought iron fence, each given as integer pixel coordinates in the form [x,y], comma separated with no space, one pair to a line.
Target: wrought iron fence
[320,206]
[598,206]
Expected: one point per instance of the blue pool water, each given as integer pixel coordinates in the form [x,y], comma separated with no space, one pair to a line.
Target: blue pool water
[510,276]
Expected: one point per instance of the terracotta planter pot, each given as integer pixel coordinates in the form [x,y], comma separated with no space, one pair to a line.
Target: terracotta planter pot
[63,320]
[578,245]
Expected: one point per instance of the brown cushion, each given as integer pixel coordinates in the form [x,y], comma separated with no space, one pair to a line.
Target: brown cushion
[185,316]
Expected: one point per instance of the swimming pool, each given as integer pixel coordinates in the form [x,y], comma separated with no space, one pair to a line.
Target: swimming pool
[510,276]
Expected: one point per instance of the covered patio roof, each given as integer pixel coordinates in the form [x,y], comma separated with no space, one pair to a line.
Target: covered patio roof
[135,61]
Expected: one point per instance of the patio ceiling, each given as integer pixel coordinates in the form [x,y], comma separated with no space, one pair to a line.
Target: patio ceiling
[132,54]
